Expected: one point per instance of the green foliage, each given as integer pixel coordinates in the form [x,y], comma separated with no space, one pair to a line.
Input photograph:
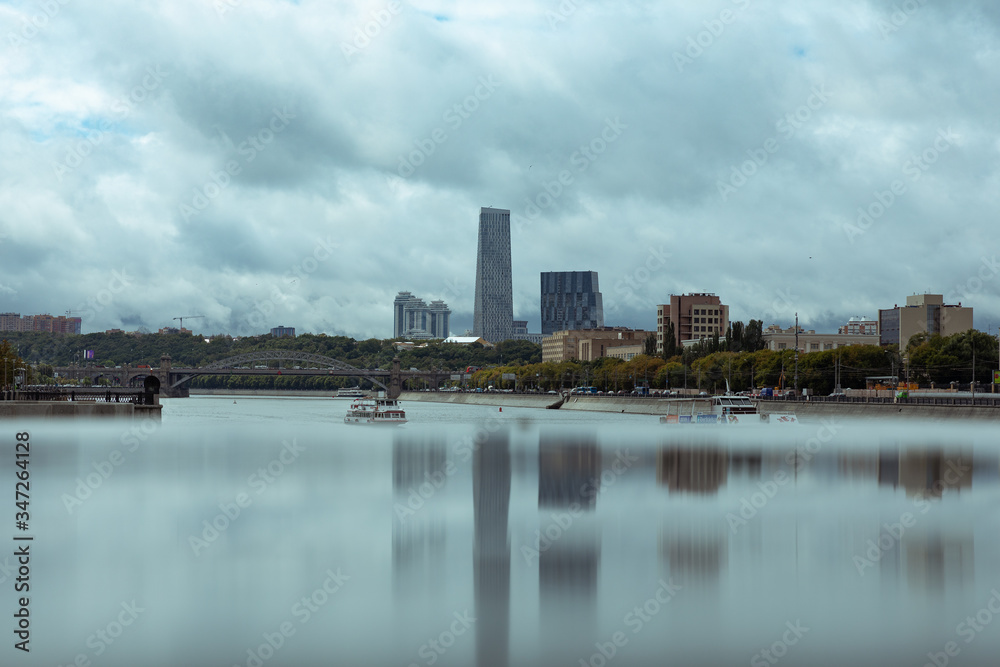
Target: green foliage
[12,366]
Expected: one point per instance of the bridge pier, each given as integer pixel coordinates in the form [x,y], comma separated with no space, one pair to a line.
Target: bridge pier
[395,380]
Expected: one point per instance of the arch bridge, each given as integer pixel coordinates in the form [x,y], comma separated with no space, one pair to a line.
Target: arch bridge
[175,380]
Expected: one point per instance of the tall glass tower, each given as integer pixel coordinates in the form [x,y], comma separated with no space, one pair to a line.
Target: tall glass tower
[493,319]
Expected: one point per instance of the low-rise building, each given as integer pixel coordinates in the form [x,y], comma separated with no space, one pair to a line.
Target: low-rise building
[468,340]
[46,323]
[625,352]
[860,326]
[923,313]
[693,316]
[588,344]
[777,339]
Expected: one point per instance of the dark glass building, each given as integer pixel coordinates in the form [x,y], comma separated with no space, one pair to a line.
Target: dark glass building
[571,300]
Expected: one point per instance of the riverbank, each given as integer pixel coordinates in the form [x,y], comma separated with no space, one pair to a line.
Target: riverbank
[76,410]
[663,406]
[271,393]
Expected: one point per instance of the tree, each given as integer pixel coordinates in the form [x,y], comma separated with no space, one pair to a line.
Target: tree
[734,337]
[753,336]
[13,369]
[669,340]
[649,346]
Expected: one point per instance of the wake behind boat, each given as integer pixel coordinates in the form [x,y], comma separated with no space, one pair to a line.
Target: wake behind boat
[375,411]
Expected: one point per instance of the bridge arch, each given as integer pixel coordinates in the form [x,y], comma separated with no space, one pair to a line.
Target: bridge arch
[275,355]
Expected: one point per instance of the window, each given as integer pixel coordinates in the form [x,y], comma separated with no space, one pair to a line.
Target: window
[781,346]
[813,346]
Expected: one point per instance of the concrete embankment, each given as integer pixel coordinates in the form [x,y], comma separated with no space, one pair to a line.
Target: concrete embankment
[502,400]
[76,409]
[270,393]
[808,410]
[812,411]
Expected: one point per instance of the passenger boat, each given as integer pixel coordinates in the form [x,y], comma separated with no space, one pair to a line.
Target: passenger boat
[375,411]
[729,409]
[354,392]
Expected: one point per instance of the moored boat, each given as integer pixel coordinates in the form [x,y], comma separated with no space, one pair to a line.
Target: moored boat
[728,409]
[353,392]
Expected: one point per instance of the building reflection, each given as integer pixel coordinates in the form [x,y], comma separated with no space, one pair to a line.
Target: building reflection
[569,473]
[419,472]
[686,470]
[937,562]
[491,478]
[925,471]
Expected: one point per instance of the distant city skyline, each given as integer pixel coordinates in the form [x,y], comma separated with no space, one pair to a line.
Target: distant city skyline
[821,177]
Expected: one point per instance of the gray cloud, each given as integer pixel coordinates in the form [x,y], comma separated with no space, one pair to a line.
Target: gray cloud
[146,106]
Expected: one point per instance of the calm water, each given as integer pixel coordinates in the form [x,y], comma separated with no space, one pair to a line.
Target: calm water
[267,532]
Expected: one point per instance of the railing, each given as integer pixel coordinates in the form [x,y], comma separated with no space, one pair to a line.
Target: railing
[79,395]
[990,401]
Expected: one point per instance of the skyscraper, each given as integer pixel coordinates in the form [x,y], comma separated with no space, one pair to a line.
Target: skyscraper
[493,318]
[571,300]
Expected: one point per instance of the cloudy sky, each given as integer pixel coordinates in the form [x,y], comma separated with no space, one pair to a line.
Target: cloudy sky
[269,162]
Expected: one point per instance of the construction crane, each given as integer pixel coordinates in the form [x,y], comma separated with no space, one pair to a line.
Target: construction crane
[189,317]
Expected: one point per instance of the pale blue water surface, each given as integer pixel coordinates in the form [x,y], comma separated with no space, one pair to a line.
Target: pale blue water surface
[267,532]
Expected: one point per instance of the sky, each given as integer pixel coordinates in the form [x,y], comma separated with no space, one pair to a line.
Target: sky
[270,162]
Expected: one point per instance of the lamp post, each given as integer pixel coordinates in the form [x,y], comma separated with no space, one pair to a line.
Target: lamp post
[796,355]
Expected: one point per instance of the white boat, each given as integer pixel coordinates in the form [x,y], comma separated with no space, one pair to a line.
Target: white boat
[375,411]
[354,392]
[729,409]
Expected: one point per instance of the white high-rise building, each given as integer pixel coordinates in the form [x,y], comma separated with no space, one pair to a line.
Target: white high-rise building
[412,318]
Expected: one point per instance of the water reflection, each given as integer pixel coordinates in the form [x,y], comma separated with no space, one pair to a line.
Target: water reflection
[491,475]
[547,540]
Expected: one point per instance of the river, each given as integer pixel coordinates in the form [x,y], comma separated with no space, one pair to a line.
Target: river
[263,531]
